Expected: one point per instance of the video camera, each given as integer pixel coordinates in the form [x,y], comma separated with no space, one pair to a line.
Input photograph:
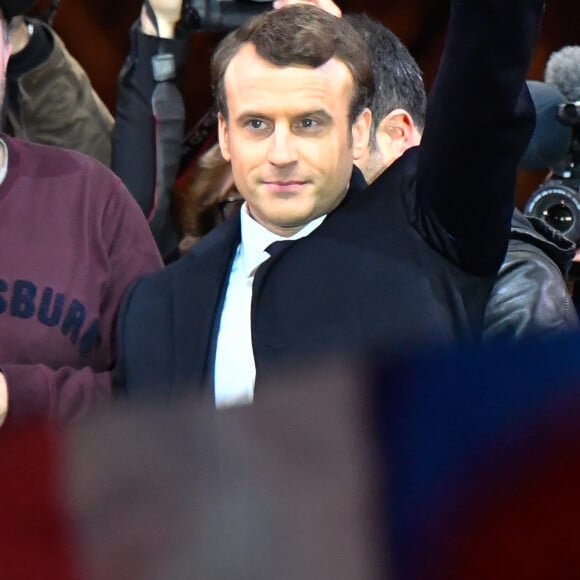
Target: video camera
[557,201]
[222,14]
[555,144]
[11,8]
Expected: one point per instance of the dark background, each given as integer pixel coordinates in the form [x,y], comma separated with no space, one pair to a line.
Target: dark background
[95,32]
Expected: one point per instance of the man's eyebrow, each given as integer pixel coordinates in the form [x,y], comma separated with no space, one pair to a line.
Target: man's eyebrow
[247,115]
[317,114]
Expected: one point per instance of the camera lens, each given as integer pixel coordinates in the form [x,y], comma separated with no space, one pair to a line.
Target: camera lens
[559,206]
[559,217]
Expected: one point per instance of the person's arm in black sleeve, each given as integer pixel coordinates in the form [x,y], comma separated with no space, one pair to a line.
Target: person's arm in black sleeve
[479,120]
[149,123]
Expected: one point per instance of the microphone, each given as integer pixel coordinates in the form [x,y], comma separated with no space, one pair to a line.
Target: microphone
[551,139]
[563,71]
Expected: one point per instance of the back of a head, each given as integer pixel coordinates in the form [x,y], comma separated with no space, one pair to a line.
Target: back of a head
[398,78]
[299,35]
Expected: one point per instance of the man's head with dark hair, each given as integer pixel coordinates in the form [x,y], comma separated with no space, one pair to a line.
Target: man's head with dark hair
[300,35]
[293,87]
[398,78]
[398,86]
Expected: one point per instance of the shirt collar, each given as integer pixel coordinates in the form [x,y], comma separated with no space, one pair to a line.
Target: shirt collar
[256,238]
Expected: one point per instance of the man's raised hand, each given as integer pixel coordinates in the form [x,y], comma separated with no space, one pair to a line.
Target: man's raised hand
[327,5]
[167,13]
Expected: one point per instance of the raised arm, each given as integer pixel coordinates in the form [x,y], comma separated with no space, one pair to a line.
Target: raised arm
[150,116]
[479,119]
[49,97]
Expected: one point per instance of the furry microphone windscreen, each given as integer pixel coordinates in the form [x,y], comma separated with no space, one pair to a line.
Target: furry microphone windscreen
[563,71]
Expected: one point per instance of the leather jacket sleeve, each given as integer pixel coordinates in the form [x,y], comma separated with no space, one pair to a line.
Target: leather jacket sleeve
[531,295]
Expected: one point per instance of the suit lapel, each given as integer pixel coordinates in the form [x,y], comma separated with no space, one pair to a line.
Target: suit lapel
[198,295]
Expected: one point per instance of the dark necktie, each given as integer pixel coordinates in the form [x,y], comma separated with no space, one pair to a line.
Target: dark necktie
[276,248]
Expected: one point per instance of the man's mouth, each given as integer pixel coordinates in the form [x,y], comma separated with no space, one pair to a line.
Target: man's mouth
[284,185]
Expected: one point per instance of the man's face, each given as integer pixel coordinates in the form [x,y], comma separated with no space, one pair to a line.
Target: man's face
[289,138]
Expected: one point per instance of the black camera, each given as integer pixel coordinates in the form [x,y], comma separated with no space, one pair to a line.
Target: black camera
[555,145]
[11,8]
[223,14]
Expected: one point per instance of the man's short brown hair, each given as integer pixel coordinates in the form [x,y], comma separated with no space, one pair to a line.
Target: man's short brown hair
[299,35]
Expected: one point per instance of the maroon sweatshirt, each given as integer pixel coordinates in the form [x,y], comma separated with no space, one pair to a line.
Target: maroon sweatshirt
[72,239]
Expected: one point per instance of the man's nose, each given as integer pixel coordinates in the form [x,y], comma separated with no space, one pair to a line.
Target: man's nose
[282,147]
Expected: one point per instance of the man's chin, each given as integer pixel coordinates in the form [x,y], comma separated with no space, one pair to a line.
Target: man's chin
[288,225]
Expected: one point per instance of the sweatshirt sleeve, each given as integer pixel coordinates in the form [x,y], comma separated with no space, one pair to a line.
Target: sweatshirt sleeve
[62,394]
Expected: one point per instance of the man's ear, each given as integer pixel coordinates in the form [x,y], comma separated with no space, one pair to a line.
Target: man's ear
[396,133]
[223,137]
[361,133]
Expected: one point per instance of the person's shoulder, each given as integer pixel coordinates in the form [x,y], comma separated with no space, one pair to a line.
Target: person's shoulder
[27,155]
[162,280]
[401,172]
[76,173]
[151,296]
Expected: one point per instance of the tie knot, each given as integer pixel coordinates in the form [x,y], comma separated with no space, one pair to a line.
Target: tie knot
[278,247]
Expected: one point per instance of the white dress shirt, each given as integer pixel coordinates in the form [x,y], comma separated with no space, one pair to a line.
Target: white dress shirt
[235,369]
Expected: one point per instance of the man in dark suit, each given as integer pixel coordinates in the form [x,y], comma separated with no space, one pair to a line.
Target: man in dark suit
[405,262]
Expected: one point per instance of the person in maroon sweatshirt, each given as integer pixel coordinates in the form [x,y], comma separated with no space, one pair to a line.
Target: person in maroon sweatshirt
[73,239]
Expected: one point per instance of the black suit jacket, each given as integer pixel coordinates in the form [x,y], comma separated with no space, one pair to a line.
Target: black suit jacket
[409,260]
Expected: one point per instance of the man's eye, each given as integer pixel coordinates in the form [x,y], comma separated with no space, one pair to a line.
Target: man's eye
[256,124]
[308,124]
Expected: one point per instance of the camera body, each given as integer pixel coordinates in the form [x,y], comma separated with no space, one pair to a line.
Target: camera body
[11,8]
[557,201]
[224,14]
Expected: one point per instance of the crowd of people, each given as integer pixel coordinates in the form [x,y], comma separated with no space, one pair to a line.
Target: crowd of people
[322,215]
[331,214]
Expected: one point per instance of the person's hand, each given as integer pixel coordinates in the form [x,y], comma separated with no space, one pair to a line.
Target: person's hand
[327,5]
[167,12]
[19,34]
[3,399]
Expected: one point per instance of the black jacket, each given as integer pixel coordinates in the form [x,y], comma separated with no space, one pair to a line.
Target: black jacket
[148,132]
[531,294]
